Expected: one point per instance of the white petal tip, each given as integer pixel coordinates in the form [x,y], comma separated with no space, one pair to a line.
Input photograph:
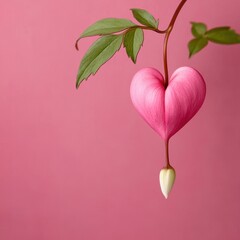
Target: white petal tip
[167,178]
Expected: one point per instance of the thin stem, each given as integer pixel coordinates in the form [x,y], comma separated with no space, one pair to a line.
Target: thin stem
[144,28]
[165,61]
[165,44]
[128,29]
[167,154]
[149,28]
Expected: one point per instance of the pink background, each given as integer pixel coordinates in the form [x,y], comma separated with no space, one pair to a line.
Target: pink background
[83,164]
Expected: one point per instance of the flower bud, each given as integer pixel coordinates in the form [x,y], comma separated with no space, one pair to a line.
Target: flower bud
[167,177]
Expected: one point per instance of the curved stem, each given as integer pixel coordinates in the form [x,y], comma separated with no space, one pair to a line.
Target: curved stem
[165,44]
[165,61]
[145,28]
[149,28]
[129,29]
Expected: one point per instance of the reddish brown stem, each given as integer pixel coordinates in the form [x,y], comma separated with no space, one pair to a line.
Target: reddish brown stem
[167,154]
[165,44]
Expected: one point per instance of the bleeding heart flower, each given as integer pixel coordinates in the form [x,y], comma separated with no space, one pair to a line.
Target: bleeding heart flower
[167,110]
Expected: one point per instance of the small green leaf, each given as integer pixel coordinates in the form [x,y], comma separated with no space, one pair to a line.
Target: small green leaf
[145,18]
[197,44]
[133,40]
[223,35]
[98,54]
[107,26]
[198,29]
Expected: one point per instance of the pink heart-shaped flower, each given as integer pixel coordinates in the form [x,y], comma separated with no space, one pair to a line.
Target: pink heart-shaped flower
[167,110]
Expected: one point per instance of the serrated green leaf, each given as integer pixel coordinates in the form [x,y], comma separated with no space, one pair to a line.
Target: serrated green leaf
[198,29]
[197,44]
[98,54]
[133,40]
[144,17]
[107,26]
[223,35]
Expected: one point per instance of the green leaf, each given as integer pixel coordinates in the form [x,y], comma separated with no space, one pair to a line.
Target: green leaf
[198,29]
[223,35]
[98,54]
[145,18]
[133,40]
[197,44]
[107,26]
